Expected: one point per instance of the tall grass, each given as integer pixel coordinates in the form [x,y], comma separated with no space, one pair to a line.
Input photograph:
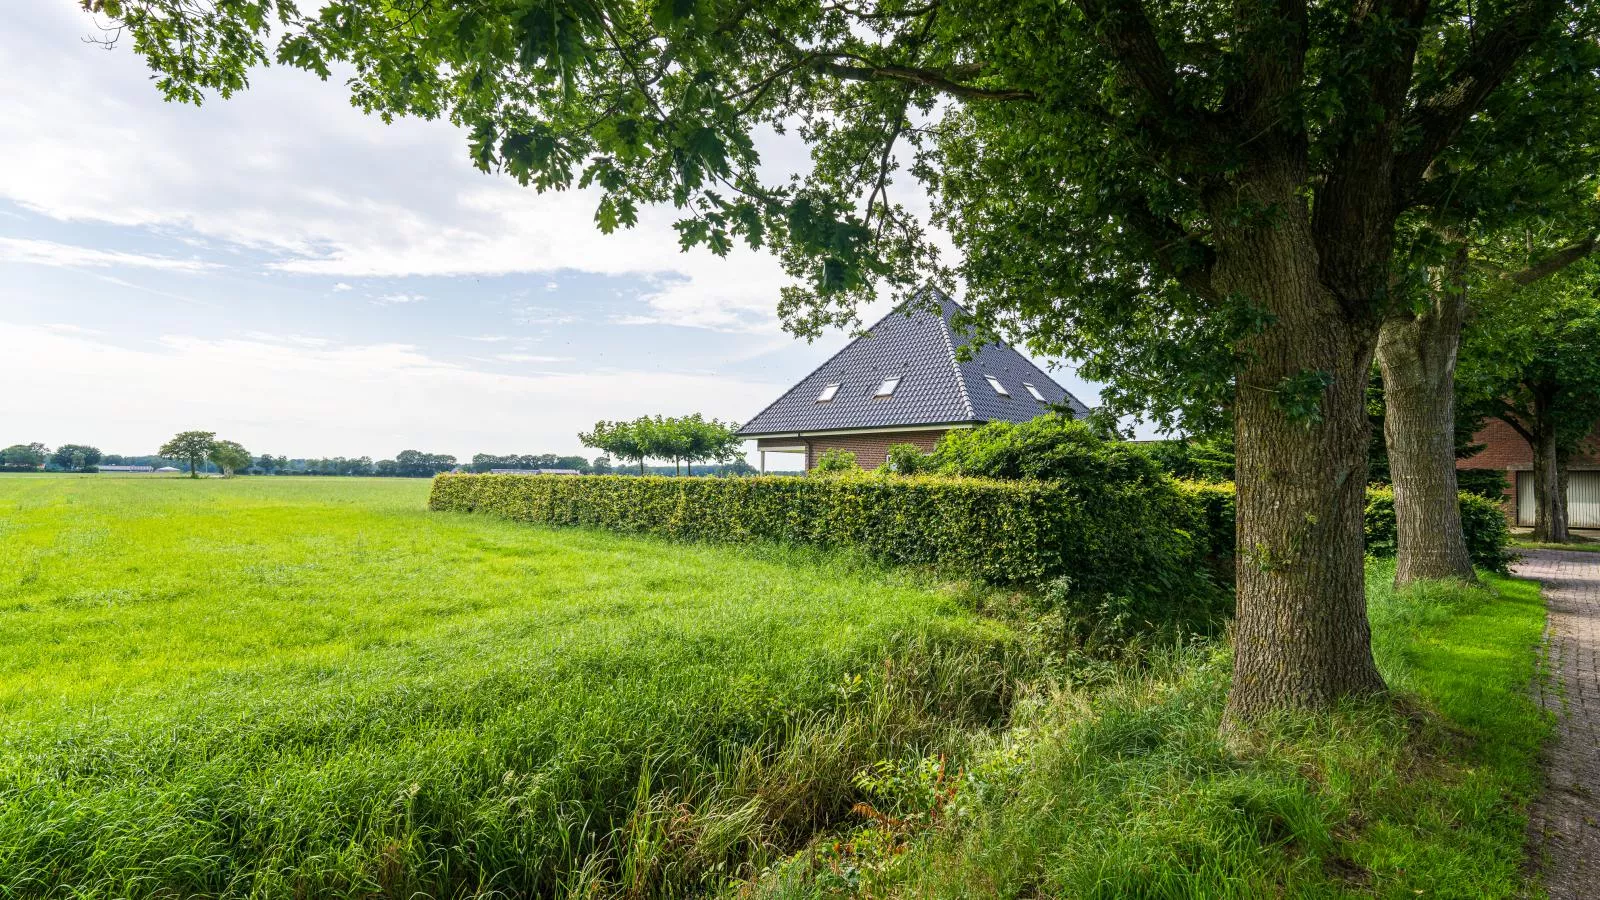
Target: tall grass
[283,687]
[1125,789]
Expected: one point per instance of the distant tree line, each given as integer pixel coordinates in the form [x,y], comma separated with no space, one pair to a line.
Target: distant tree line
[684,440]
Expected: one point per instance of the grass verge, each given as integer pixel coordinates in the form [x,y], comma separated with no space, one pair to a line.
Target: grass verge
[314,688]
[1123,789]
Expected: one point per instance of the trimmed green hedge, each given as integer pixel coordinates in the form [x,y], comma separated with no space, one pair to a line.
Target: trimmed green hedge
[1482,520]
[1134,540]
[1483,524]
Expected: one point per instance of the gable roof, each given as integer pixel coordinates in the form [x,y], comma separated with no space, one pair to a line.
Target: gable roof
[935,387]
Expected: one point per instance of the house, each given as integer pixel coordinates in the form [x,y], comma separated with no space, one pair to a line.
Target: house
[1504,450]
[127,468]
[534,472]
[902,382]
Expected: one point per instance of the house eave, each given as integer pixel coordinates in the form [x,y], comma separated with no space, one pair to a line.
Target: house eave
[879,429]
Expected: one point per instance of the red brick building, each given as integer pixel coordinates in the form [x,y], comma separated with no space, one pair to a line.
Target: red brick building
[903,383]
[1506,451]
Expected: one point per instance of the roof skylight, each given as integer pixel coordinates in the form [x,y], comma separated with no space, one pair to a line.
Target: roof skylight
[828,391]
[888,387]
[1035,392]
[998,387]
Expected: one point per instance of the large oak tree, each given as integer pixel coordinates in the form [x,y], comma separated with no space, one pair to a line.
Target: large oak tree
[1200,197]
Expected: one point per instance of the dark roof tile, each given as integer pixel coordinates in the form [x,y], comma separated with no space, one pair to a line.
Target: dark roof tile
[935,388]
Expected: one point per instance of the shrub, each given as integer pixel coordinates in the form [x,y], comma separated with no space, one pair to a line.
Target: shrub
[1483,523]
[1207,459]
[1487,483]
[1147,544]
[1050,447]
[836,461]
[907,459]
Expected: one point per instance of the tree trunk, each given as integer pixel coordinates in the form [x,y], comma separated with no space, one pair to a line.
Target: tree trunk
[192,471]
[1301,637]
[1549,482]
[1418,356]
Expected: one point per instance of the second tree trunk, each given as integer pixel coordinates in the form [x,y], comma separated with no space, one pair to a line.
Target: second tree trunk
[1417,353]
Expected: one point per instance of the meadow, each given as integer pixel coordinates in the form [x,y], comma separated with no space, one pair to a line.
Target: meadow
[310,687]
[280,687]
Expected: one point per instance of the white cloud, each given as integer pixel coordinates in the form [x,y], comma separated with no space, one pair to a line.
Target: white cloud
[395,299]
[279,394]
[51,253]
[289,168]
[490,338]
[530,358]
[342,286]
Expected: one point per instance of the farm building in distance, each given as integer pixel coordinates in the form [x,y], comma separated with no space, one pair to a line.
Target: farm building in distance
[903,383]
[534,472]
[128,468]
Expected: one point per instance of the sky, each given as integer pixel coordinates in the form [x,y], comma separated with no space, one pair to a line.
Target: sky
[299,277]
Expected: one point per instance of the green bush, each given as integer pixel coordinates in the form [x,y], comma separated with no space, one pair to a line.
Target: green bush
[1487,483]
[837,461]
[907,459]
[1483,523]
[1051,447]
[1209,459]
[1148,543]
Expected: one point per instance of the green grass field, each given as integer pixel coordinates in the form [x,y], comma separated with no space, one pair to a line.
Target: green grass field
[305,687]
[279,687]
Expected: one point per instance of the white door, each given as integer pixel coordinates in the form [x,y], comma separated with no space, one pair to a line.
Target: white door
[1525,505]
[1583,499]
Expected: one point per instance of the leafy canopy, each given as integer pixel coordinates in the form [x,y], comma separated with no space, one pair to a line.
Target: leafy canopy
[190,446]
[1084,156]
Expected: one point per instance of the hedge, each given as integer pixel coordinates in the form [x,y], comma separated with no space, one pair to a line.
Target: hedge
[1144,540]
[1483,524]
[1482,520]
[1163,540]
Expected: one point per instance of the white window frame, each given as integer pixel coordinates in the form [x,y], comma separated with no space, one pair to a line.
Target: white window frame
[888,387]
[829,391]
[1034,391]
[998,387]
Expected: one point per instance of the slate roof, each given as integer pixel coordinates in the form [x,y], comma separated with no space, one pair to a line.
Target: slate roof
[935,388]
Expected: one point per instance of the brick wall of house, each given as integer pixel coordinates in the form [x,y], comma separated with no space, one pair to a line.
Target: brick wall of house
[1504,449]
[870,449]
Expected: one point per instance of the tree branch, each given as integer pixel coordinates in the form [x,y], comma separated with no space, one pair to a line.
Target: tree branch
[1167,241]
[939,81]
[1555,262]
[1438,117]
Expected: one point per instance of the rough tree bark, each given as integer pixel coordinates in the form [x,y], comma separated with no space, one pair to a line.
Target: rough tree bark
[1537,427]
[1549,482]
[1417,353]
[1301,637]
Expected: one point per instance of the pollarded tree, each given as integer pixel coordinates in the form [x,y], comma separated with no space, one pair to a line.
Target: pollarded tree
[190,446]
[1200,197]
[622,440]
[229,456]
[710,440]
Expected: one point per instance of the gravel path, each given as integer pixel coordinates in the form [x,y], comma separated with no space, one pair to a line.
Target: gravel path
[1564,824]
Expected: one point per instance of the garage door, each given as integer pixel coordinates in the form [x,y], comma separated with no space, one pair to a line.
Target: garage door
[1583,499]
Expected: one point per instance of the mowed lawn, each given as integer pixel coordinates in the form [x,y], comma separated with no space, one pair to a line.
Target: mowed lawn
[310,687]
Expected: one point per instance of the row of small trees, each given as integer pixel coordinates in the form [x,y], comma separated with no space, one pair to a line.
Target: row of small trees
[686,439]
